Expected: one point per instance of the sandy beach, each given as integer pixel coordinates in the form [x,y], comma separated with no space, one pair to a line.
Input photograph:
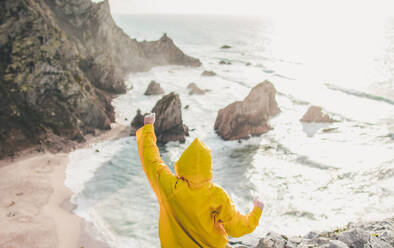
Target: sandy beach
[34,202]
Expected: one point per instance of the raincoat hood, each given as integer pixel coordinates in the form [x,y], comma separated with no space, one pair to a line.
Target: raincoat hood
[195,164]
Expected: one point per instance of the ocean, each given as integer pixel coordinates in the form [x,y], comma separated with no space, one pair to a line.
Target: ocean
[310,176]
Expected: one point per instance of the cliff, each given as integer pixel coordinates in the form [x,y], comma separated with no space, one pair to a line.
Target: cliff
[60,63]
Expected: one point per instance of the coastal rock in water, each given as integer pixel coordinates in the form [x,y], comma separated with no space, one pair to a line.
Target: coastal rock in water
[208,73]
[194,90]
[239,120]
[60,64]
[168,125]
[315,114]
[223,62]
[164,52]
[225,47]
[137,122]
[153,89]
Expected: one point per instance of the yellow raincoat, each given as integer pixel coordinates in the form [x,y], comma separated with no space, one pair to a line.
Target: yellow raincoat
[194,212]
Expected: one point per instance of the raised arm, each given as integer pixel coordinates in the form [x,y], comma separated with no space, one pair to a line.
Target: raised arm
[237,224]
[158,174]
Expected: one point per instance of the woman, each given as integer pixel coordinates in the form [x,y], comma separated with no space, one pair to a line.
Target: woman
[194,212]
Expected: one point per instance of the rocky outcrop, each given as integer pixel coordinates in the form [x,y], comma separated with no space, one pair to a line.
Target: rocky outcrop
[168,125]
[60,63]
[164,52]
[208,73]
[378,234]
[315,114]
[224,62]
[153,89]
[240,120]
[195,90]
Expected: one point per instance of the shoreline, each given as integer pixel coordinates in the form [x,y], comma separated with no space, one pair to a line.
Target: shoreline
[35,203]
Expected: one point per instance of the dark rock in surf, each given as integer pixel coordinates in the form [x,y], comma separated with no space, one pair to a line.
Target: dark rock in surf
[154,89]
[168,125]
[224,62]
[195,90]
[225,47]
[240,120]
[208,73]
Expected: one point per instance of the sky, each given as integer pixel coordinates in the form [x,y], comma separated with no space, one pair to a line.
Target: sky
[268,8]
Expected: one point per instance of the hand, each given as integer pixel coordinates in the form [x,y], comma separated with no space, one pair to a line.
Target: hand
[258,203]
[150,118]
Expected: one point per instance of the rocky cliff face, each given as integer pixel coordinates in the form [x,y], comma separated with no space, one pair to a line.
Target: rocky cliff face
[59,62]
[240,120]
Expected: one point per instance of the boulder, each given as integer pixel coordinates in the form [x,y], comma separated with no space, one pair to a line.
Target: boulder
[315,114]
[337,244]
[377,234]
[272,240]
[239,120]
[137,122]
[356,237]
[153,89]
[164,52]
[168,125]
[208,73]
[224,62]
[195,90]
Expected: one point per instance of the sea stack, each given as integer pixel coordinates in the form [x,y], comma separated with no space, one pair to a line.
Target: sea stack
[240,120]
[195,90]
[154,89]
[168,125]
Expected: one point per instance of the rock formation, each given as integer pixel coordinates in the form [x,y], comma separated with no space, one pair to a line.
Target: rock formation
[194,90]
[60,61]
[168,125]
[153,89]
[225,47]
[239,120]
[224,62]
[208,73]
[315,114]
[378,234]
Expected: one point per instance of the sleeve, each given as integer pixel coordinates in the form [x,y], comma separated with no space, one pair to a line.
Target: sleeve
[159,175]
[236,224]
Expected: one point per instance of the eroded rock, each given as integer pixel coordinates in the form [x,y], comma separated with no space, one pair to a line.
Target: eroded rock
[208,73]
[168,125]
[315,114]
[240,120]
[154,89]
[272,240]
[362,234]
[195,90]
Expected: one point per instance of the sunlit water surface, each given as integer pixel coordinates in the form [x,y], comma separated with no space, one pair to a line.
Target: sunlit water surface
[310,176]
